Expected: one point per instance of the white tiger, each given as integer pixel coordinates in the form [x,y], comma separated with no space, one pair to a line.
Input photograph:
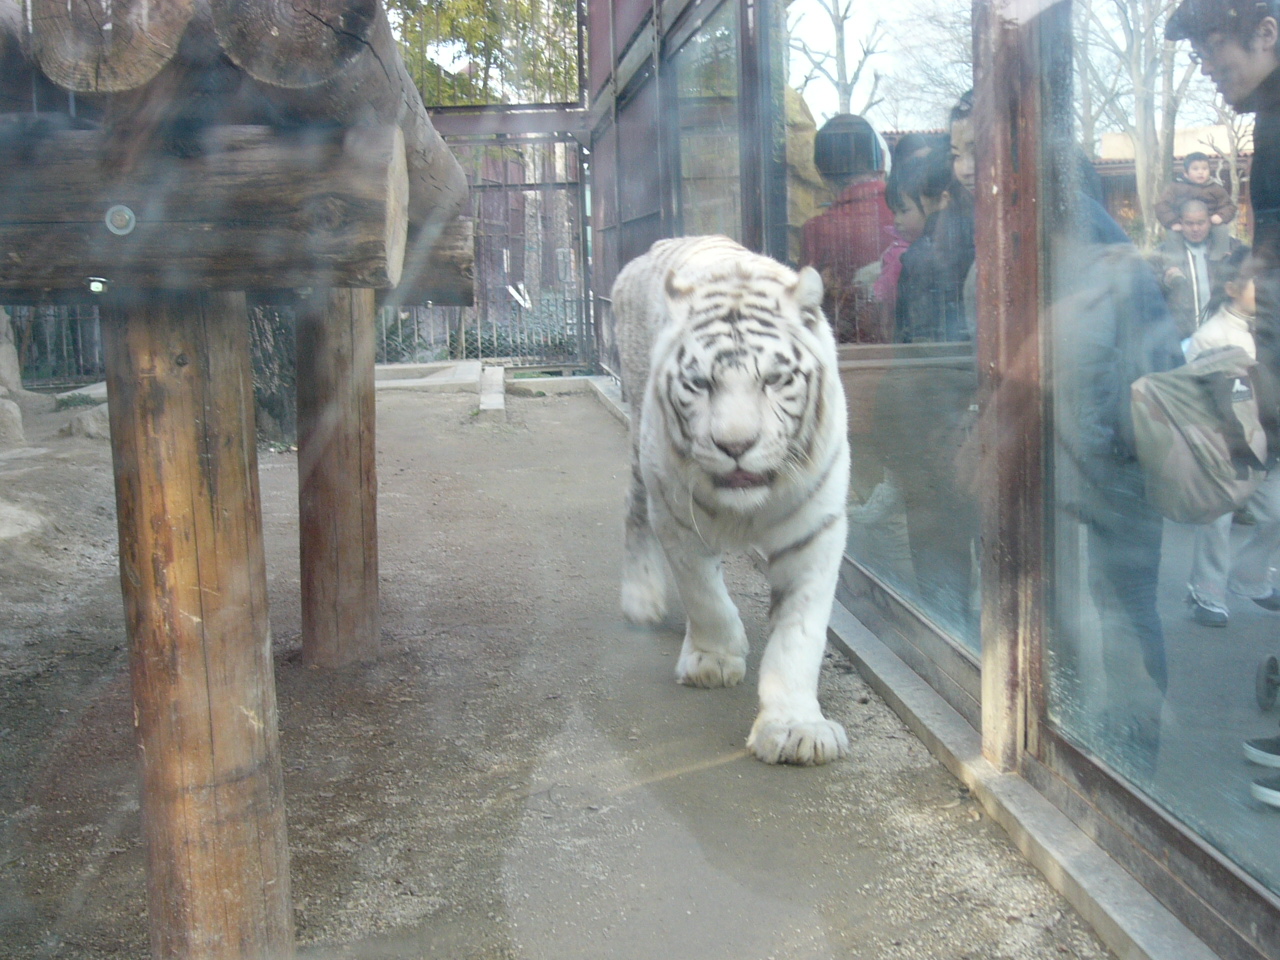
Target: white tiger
[738,439]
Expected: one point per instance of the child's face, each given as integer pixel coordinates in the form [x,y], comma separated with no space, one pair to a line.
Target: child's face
[964,165]
[909,220]
[1243,296]
[1198,172]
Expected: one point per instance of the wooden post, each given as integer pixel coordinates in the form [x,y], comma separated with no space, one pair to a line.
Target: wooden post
[1007,127]
[194,580]
[337,477]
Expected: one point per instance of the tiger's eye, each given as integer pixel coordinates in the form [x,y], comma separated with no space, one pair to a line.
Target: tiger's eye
[699,383]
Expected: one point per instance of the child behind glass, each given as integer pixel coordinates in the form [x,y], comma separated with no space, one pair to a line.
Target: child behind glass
[1231,321]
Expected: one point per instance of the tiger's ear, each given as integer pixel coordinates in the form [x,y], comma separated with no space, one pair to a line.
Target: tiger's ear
[677,287]
[808,293]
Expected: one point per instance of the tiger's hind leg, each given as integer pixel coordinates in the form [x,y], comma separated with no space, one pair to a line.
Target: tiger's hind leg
[644,569]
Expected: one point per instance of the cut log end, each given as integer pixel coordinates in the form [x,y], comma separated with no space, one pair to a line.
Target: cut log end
[293,46]
[83,49]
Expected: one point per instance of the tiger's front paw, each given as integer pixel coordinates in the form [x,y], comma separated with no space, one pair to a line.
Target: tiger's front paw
[807,743]
[697,668]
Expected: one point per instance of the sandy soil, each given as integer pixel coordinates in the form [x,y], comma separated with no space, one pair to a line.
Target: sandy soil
[518,776]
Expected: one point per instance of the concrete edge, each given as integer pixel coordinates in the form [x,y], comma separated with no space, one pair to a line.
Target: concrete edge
[609,392]
[518,386]
[1124,914]
[97,391]
[461,376]
[493,398]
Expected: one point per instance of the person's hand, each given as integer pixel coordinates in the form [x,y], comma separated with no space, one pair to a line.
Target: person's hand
[1177,227]
[1172,274]
[1215,219]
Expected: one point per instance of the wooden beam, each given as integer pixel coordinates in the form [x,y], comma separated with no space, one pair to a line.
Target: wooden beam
[293,44]
[337,477]
[254,208]
[93,47]
[194,580]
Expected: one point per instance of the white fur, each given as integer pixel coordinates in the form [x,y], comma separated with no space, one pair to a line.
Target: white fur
[718,468]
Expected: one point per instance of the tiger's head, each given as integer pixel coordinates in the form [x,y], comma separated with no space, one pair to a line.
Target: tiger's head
[742,373]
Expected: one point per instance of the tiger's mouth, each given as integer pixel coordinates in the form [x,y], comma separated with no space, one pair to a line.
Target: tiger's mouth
[742,479]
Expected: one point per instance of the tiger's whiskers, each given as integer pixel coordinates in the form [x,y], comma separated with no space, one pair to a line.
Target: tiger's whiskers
[693,516]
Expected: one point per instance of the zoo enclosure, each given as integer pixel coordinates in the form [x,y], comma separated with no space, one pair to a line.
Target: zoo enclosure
[526,202]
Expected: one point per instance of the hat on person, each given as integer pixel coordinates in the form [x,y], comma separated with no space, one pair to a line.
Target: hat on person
[847,146]
[1196,19]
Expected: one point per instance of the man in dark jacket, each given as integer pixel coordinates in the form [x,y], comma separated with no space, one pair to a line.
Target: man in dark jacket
[1236,44]
[1192,260]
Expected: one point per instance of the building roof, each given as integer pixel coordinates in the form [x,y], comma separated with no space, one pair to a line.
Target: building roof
[1212,140]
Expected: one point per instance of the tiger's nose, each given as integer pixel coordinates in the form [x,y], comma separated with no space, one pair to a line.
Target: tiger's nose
[736,448]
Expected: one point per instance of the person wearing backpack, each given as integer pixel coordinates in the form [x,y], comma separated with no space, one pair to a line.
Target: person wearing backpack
[1110,327]
[1231,313]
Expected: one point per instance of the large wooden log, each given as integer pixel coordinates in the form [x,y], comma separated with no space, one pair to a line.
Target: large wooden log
[296,44]
[105,46]
[439,270]
[255,208]
[337,477]
[193,575]
[376,88]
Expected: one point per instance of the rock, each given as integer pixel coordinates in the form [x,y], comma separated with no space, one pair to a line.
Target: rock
[91,423]
[16,521]
[11,424]
[10,368]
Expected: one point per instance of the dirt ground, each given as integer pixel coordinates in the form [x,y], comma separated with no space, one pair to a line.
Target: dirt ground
[519,776]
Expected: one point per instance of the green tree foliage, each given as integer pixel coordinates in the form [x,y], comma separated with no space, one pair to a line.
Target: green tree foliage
[463,52]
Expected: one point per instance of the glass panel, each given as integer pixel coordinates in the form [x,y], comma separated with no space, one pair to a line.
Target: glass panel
[1156,641]
[886,217]
[707,102]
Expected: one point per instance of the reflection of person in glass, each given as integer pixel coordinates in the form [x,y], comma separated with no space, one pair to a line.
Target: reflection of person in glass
[1236,44]
[926,402]
[909,213]
[1192,259]
[932,302]
[1230,324]
[1111,326]
[1196,183]
[928,302]
[854,230]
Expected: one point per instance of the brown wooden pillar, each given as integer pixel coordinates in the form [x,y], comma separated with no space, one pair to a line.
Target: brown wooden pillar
[194,582]
[1008,133]
[337,477]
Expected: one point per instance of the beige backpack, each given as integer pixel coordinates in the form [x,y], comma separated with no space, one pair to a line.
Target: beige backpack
[1197,436]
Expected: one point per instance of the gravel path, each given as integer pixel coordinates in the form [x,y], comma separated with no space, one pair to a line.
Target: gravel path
[519,776]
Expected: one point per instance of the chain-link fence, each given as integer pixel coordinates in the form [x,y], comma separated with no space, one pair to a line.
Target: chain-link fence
[554,331]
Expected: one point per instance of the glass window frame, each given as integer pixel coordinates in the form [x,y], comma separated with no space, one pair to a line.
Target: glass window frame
[1023,69]
[1002,692]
